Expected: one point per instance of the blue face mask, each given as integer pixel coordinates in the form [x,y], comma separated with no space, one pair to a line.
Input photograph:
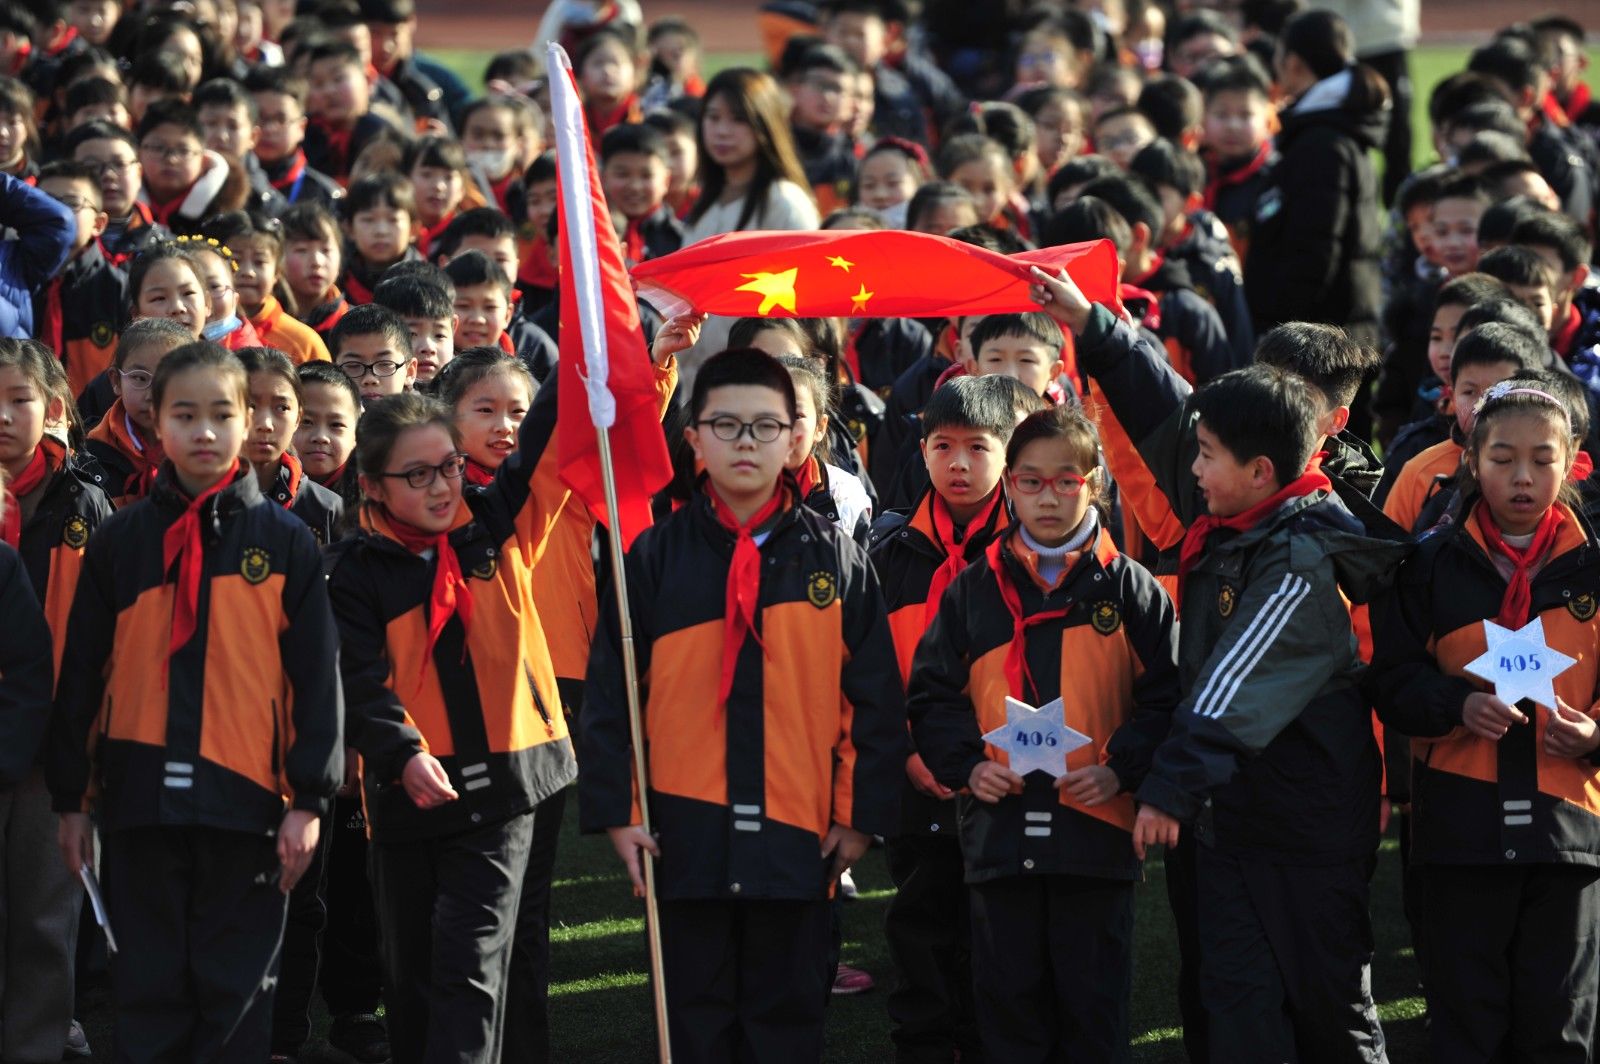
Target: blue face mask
[216,330]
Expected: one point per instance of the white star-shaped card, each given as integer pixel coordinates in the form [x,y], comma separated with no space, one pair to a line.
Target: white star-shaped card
[1036,739]
[1520,664]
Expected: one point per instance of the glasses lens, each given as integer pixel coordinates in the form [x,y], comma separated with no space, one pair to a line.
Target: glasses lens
[421,476]
[385,368]
[766,429]
[355,370]
[726,428]
[454,466]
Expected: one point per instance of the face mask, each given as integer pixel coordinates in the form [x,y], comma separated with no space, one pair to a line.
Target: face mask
[1149,53]
[894,217]
[216,330]
[491,163]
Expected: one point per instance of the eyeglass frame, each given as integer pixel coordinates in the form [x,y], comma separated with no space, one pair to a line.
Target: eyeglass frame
[371,368]
[745,427]
[432,472]
[1053,483]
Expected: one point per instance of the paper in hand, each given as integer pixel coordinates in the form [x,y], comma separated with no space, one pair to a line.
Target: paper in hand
[96,902]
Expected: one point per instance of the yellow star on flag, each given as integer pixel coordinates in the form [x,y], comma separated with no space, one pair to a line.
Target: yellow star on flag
[841,262]
[860,299]
[775,289]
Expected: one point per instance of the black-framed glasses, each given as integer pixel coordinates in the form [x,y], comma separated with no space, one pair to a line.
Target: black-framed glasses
[729,428]
[424,475]
[1067,484]
[382,368]
[172,153]
[100,168]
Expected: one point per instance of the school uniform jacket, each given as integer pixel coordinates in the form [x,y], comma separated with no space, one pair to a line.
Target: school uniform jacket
[327,313]
[25,674]
[294,338]
[1197,345]
[92,293]
[248,715]
[1112,660]
[1218,276]
[813,731]
[1475,801]
[485,703]
[320,508]
[125,468]
[71,506]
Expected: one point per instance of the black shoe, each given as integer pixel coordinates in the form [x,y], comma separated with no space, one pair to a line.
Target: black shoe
[362,1035]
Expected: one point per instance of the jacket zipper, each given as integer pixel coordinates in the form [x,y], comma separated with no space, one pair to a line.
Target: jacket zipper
[538,702]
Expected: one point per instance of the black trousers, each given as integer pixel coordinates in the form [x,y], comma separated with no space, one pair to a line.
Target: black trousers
[1183,895]
[1413,900]
[930,940]
[527,1027]
[198,919]
[1512,964]
[1396,70]
[1052,966]
[747,981]
[1285,961]
[447,912]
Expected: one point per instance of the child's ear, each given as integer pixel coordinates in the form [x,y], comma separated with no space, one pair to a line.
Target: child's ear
[968,363]
[1263,472]
[55,412]
[101,220]
[691,436]
[1141,235]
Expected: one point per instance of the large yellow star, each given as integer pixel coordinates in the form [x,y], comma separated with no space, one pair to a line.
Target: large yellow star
[775,289]
[860,299]
[841,262]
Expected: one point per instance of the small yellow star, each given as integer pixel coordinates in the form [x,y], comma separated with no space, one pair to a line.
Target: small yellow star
[775,289]
[860,299]
[841,262]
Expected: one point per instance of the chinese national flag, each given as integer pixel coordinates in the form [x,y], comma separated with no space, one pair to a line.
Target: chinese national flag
[861,274]
[606,378]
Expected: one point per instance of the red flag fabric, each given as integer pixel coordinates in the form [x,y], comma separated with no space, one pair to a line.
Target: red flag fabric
[606,376]
[861,274]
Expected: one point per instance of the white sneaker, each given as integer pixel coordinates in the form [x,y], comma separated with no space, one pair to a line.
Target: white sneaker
[847,884]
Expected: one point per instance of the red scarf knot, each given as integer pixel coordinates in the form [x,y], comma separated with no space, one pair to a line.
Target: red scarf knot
[1194,541]
[953,547]
[181,544]
[450,594]
[1017,671]
[744,581]
[1518,600]
[48,456]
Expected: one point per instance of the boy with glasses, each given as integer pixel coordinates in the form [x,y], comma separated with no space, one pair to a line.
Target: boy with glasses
[372,345]
[77,314]
[183,183]
[111,154]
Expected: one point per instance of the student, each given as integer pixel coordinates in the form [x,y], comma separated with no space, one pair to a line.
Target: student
[1482,358]
[1060,121]
[19,139]
[205,828]
[835,493]
[1524,884]
[1575,322]
[428,314]
[312,264]
[256,244]
[1457,208]
[275,414]
[941,207]
[125,443]
[373,348]
[605,64]
[224,325]
[1121,133]
[888,177]
[96,100]
[482,229]
[683,158]
[916,554]
[337,102]
[439,180]
[537,259]
[981,166]
[744,913]
[1052,910]
[184,183]
[392,25]
[330,406]
[1527,275]
[818,80]
[483,307]
[633,174]
[496,133]
[450,805]
[78,311]
[230,125]
[112,154]
[280,98]
[912,97]
[51,504]
[379,219]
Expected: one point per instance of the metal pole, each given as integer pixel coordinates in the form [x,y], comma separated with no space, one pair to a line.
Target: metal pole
[630,679]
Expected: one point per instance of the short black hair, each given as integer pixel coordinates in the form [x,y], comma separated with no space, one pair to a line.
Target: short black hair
[935,194]
[1195,24]
[542,169]
[480,221]
[215,359]
[1468,290]
[1088,218]
[342,52]
[474,268]
[369,319]
[224,92]
[1494,342]
[1079,171]
[1493,115]
[94,92]
[1509,60]
[309,220]
[1029,325]
[1491,148]
[382,189]
[426,272]
[1461,186]
[1132,199]
[1002,122]
[67,170]
[1172,104]
[163,71]
[320,371]
[388,12]
[979,404]
[1234,73]
[805,55]
[413,297]
[1500,220]
[1262,411]
[632,138]
[982,235]
[1421,188]
[1323,41]
[1515,264]
[279,81]
[1561,234]
[1506,309]
[1457,91]
[445,153]
[170,113]
[1162,162]
[740,366]
[1324,355]
[99,129]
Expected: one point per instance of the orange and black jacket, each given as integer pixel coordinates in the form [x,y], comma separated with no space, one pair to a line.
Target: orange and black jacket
[322,509]
[245,718]
[125,468]
[1475,801]
[70,507]
[1197,344]
[906,553]
[92,293]
[485,703]
[813,731]
[326,314]
[1112,660]
[25,675]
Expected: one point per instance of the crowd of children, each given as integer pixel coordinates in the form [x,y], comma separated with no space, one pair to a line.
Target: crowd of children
[308,641]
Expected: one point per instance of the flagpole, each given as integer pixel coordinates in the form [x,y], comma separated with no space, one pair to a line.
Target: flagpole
[630,680]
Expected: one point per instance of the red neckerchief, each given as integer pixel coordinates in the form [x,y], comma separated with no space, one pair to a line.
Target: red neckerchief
[242,337]
[266,320]
[954,549]
[478,474]
[181,544]
[1194,541]
[116,430]
[296,170]
[1016,667]
[505,344]
[852,356]
[809,476]
[601,121]
[1582,468]
[163,212]
[501,190]
[332,480]
[49,456]
[62,42]
[355,290]
[633,245]
[1138,283]
[1566,338]
[744,581]
[536,270]
[450,594]
[296,473]
[1518,598]
[1221,179]
[50,330]
[428,235]
[338,146]
[1577,102]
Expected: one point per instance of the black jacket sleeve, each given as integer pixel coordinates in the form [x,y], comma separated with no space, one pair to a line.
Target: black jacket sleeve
[314,763]
[26,670]
[944,724]
[1404,682]
[91,625]
[377,722]
[1153,632]
[871,752]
